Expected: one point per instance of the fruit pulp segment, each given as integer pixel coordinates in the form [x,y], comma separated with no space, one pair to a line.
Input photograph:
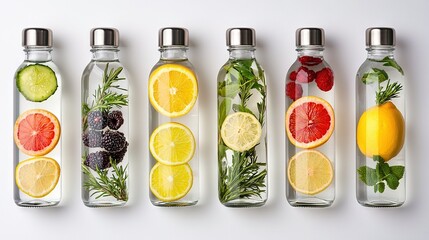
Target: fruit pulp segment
[36,132]
[309,122]
[170,183]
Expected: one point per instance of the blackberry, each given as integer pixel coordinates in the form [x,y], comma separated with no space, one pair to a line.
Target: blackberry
[119,156]
[92,138]
[100,160]
[115,120]
[113,141]
[97,120]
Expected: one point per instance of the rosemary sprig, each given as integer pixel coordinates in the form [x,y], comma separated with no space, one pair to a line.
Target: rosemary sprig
[104,185]
[386,94]
[245,176]
[104,98]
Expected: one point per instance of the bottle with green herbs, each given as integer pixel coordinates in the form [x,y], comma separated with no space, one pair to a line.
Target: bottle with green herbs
[173,124]
[309,124]
[242,141]
[380,117]
[37,130]
[105,136]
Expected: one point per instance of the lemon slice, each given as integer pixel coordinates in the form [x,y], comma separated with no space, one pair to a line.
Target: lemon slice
[241,131]
[310,172]
[173,90]
[170,183]
[172,144]
[37,176]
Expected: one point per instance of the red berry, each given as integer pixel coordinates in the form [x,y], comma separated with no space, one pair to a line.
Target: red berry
[325,79]
[292,76]
[309,61]
[293,90]
[305,75]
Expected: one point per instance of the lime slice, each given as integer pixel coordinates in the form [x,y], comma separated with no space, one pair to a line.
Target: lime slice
[36,82]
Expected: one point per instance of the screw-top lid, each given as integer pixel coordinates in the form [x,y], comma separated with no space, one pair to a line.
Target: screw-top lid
[173,36]
[102,37]
[37,37]
[380,36]
[310,37]
[240,37]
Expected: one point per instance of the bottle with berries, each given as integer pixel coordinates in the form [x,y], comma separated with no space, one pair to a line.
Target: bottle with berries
[309,124]
[37,130]
[104,123]
[380,118]
[242,124]
[173,124]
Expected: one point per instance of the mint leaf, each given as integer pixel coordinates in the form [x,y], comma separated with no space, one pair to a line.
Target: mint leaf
[229,90]
[224,108]
[398,171]
[392,181]
[389,62]
[368,175]
[379,171]
[377,158]
[240,108]
[379,187]
[375,75]
[385,168]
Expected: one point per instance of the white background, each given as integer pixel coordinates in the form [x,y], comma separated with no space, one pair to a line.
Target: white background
[275,23]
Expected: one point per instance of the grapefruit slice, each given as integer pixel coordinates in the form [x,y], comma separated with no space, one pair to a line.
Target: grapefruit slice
[37,132]
[309,122]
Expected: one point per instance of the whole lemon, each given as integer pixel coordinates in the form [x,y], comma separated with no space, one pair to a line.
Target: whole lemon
[381,131]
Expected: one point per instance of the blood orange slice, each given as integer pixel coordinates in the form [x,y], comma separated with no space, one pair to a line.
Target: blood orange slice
[37,132]
[309,122]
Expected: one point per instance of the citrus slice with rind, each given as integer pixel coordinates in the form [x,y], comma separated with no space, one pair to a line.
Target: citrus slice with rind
[37,132]
[310,172]
[38,176]
[170,183]
[172,144]
[241,131]
[173,90]
[310,122]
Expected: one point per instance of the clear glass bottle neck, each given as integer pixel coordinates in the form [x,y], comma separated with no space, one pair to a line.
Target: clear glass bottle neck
[38,54]
[380,52]
[105,54]
[310,51]
[174,53]
[241,52]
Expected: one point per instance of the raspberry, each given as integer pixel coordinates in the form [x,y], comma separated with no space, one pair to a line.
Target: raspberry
[292,76]
[325,79]
[293,90]
[309,61]
[305,75]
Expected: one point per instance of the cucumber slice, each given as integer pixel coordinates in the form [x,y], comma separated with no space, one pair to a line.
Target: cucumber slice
[36,82]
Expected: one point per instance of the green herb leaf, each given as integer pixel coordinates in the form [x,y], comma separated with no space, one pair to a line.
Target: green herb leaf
[389,62]
[368,175]
[241,108]
[398,171]
[223,111]
[379,187]
[391,91]
[392,181]
[229,90]
[377,158]
[375,75]
[385,168]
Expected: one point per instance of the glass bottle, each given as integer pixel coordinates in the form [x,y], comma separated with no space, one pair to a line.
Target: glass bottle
[37,130]
[105,137]
[380,118]
[309,124]
[173,123]
[242,118]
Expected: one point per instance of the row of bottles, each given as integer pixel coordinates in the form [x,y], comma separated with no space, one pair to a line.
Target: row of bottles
[242,123]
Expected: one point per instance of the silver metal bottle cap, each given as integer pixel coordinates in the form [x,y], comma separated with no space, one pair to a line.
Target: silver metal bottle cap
[37,37]
[310,37]
[380,36]
[173,36]
[104,37]
[240,37]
